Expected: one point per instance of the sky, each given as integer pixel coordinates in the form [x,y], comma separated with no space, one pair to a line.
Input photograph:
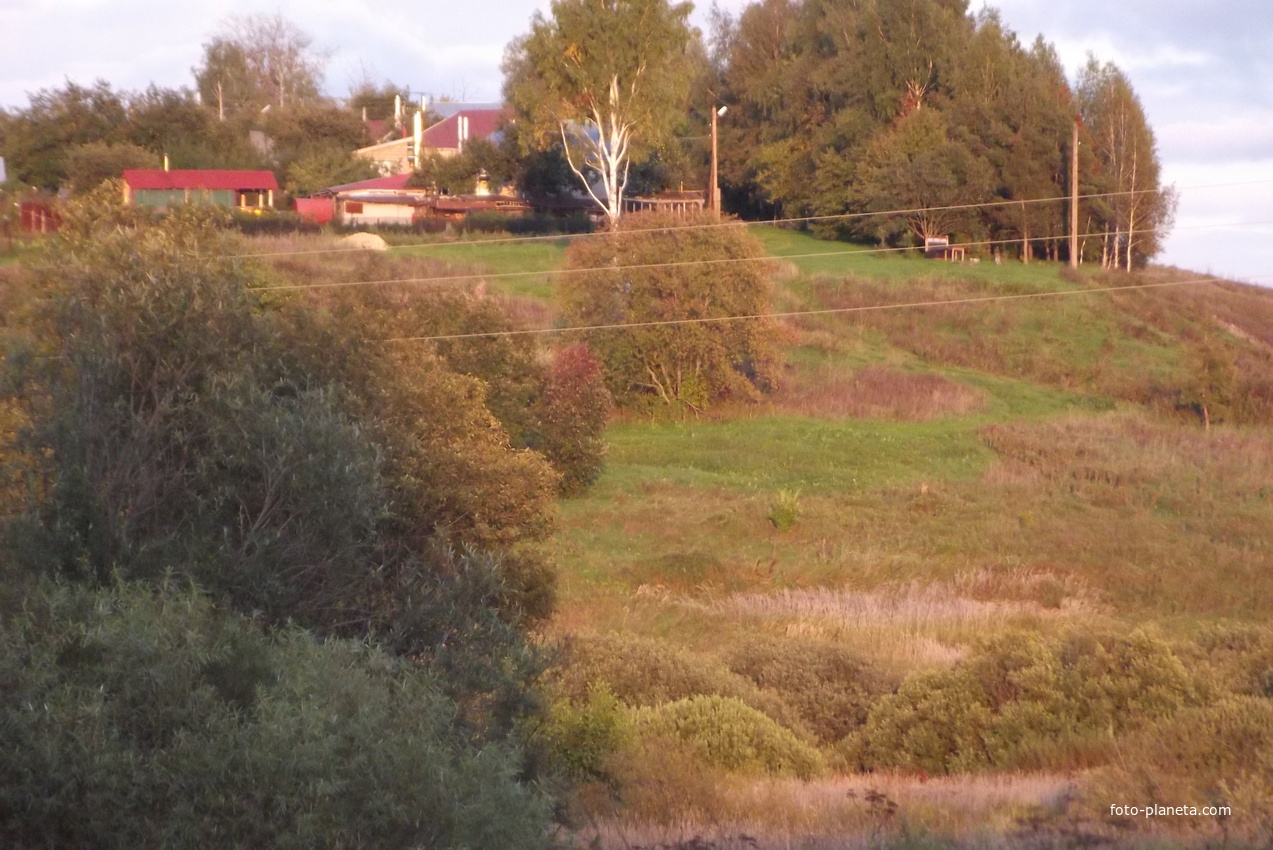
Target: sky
[1203,70]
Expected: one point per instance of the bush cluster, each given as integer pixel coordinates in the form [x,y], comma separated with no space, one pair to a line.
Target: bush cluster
[351,533]
[730,734]
[144,717]
[1020,700]
[272,223]
[535,224]
[660,268]
[643,672]
[1217,755]
[830,689]
[555,403]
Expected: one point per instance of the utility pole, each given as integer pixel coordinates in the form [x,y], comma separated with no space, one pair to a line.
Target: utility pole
[1074,196]
[713,190]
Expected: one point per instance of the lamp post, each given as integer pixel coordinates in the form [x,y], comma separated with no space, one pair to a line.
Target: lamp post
[714,188]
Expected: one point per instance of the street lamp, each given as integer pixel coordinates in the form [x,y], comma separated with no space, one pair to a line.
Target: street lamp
[714,188]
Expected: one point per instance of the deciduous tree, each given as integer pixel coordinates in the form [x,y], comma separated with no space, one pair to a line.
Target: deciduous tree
[1140,211]
[36,140]
[603,78]
[916,168]
[89,164]
[260,60]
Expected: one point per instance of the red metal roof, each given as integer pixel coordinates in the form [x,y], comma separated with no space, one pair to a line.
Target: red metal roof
[483,123]
[157,178]
[393,181]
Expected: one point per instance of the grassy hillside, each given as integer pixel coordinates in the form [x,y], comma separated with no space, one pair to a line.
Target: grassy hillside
[1022,545]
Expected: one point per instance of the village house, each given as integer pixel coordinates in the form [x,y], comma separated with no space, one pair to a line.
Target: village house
[445,138]
[160,188]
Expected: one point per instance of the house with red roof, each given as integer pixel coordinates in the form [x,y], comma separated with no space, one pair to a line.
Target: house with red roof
[446,138]
[159,188]
[381,200]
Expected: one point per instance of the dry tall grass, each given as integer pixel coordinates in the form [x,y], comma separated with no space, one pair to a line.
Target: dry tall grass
[844,812]
[904,627]
[878,393]
[326,262]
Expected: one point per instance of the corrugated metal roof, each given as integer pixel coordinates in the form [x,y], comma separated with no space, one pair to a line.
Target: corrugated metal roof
[157,178]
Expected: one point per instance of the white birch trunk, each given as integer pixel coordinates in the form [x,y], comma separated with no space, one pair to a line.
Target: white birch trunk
[607,154]
[1131,213]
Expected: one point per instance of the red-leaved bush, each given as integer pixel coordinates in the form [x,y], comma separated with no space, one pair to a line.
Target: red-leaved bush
[571,414]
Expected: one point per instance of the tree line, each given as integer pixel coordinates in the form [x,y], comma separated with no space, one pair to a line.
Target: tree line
[861,108]
[839,111]
[260,73]
[844,112]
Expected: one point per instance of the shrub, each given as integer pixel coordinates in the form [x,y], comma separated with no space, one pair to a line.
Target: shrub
[830,689]
[570,416]
[557,406]
[295,471]
[1022,701]
[1218,755]
[663,276]
[730,734]
[293,465]
[646,672]
[536,224]
[1239,658]
[582,738]
[272,223]
[144,718]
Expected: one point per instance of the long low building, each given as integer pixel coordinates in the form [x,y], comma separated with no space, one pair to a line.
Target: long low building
[160,188]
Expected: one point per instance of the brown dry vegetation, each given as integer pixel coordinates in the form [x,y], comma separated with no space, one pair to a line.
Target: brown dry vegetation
[875,392]
[845,812]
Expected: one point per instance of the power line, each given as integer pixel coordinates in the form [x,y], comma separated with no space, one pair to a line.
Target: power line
[768,223]
[461,278]
[802,313]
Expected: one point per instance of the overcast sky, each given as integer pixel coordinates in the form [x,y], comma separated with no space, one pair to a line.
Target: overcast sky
[1203,70]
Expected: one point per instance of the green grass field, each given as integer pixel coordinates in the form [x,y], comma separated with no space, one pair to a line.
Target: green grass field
[517,268]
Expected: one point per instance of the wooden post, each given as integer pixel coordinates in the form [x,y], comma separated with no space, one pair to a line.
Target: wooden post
[1074,196]
[714,187]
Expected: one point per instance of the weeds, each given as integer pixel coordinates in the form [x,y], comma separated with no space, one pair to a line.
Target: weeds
[784,510]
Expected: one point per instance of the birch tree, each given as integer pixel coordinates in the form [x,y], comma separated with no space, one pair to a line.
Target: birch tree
[1139,209]
[602,78]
